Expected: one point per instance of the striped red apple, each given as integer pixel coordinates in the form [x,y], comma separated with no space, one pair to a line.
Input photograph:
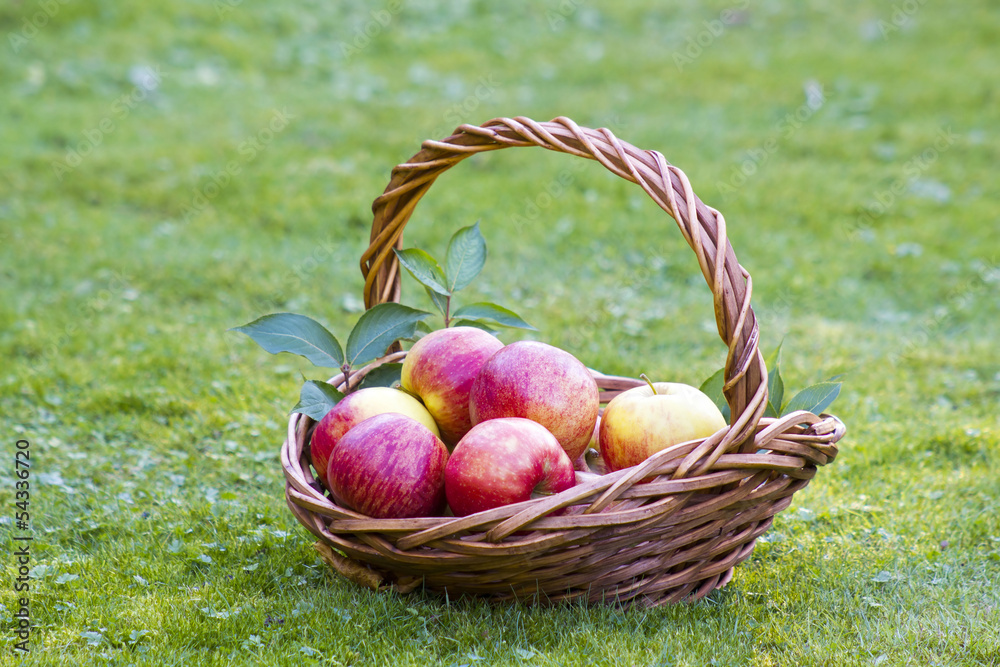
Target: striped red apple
[440,368]
[354,409]
[505,461]
[389,466]
[545,384]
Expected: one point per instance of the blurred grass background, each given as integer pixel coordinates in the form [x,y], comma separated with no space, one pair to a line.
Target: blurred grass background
[170,171]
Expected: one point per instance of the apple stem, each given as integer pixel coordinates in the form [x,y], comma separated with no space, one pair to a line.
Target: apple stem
[643,376]
[447,311]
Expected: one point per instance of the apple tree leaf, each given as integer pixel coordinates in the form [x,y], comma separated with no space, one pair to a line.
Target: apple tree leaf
[298,334]
[386,375]
[712,387]
[814,399]
[465,257]
[491,313]
[316,399]
[379,328]
[424,268]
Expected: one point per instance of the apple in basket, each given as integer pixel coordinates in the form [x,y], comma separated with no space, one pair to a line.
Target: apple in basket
[542,383]
[354,409]
[646,419]
[591,461]
[389,466]
[505,461]
[440,369]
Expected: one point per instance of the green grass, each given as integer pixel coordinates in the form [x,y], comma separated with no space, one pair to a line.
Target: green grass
[161,532]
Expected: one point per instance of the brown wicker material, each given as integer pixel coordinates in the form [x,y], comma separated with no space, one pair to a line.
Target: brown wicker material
[676,537]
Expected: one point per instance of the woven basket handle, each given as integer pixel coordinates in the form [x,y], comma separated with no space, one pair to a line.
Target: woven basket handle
[702,226]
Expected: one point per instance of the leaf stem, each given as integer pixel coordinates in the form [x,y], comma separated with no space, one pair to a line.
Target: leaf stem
[346,370]
[447,311]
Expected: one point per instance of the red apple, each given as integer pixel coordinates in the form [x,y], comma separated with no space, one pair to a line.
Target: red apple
[354,409]
[440,369]
[544,384]
[504,461]
[644,420]
[389,466]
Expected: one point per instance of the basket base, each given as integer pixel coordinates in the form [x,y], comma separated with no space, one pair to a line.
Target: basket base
[368,577]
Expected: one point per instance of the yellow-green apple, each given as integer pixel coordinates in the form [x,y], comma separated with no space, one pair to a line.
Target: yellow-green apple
[542,383]
[440,369]
[644,420]
[389,466]
[585,462]
[505,461]
[354,409]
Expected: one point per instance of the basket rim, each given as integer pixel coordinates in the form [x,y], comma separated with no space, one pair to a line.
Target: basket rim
[656,474]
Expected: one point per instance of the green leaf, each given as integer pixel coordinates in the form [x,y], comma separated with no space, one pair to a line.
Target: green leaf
[424,268]
[298,334]
[491,313]
[440,301]
[316,399]
[814,399]
[473,323]
[379,328]
[712,387]
[465,257]
[775,385]
[386,375]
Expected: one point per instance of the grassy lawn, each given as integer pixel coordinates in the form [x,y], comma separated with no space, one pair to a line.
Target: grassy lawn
[171,170]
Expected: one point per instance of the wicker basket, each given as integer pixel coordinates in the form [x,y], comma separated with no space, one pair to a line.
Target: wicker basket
[675,537]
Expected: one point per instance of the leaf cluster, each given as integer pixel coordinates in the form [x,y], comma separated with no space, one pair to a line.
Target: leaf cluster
[464,260]
[383,325]
[814,398]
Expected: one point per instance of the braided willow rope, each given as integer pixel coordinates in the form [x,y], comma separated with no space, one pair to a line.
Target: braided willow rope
[609,537]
